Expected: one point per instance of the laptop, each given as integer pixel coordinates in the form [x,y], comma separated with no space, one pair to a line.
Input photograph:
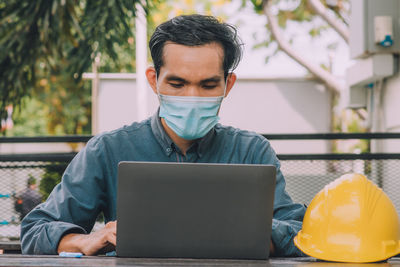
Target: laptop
[194,210]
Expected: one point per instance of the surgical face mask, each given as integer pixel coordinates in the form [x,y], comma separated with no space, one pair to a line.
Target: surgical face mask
[190,117]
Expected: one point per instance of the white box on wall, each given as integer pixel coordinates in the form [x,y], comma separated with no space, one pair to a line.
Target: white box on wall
[365,14]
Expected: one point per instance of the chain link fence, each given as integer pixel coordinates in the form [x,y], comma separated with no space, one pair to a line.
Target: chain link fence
[15,182]
[305,174]
[305,178]
[14,179]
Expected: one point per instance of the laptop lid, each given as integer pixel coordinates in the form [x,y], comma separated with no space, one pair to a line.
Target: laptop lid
[194,210]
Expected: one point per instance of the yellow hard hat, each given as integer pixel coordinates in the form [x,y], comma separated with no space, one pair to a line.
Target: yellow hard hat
[350,220]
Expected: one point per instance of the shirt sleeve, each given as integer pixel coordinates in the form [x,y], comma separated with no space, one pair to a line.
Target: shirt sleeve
[288,216]
[72,206]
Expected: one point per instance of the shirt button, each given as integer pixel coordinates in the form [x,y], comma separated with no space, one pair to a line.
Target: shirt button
[169,150]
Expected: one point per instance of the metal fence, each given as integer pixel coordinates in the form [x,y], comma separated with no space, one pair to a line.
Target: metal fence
[306,177]
[305,174]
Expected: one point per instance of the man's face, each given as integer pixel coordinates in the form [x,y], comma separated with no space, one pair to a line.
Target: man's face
[192,71]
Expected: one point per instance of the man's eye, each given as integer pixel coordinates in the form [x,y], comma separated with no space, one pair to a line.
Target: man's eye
[176,85]
[209,86]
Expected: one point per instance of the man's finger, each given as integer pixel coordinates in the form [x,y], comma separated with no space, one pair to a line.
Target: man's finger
[112,224]
[112,238]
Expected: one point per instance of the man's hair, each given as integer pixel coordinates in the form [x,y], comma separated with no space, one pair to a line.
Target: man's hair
[196,30]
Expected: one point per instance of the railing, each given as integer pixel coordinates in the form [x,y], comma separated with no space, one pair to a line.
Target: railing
[305,174]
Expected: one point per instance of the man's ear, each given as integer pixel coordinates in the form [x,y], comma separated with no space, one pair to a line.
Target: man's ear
[152,78]
[230,81]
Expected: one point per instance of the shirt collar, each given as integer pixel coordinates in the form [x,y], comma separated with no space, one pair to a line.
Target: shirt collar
[201,145]
[162,137]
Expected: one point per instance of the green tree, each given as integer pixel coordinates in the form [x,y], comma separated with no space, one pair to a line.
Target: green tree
[30,120]
[61,103]
[51,178]
[44,37]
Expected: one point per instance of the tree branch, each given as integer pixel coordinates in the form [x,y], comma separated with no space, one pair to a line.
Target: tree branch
[322,11]
[320,73]
[342,18]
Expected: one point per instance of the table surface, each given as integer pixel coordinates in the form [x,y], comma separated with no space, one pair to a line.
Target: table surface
[27,260]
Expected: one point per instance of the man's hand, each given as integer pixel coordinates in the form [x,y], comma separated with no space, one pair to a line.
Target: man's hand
[272,249]
[98,242]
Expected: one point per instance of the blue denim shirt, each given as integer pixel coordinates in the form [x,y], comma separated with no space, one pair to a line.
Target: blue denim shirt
[89,184]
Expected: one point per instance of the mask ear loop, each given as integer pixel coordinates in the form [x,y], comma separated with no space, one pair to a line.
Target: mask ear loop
[158,89]
[226,82]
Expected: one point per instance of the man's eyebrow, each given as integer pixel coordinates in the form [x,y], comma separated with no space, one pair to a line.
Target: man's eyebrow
[175,78]
[214,79]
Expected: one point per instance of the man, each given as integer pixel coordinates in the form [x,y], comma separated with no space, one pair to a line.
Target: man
[28,199]
[194,57]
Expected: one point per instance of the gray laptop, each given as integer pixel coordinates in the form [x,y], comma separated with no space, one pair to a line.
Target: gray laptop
[186,210]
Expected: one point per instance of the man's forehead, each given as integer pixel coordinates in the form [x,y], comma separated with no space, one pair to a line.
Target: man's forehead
[201,54]
[214,45]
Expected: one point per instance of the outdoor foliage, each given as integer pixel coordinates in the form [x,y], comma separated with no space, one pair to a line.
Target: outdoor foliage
[301,13]
[53,38]
[51,178]
[60,42]
[56,106]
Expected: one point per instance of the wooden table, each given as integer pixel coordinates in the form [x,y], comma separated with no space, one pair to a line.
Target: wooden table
[35,261]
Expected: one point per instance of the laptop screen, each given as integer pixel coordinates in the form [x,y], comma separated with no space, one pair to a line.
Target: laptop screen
[194,210]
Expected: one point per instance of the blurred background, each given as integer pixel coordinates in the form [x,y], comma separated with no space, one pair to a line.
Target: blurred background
[319,79]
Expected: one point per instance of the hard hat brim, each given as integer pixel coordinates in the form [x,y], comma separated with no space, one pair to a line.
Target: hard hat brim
[340,256]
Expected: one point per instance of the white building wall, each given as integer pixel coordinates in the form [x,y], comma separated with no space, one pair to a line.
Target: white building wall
[272,106]
[390,117]
[278,106]
[391,112]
